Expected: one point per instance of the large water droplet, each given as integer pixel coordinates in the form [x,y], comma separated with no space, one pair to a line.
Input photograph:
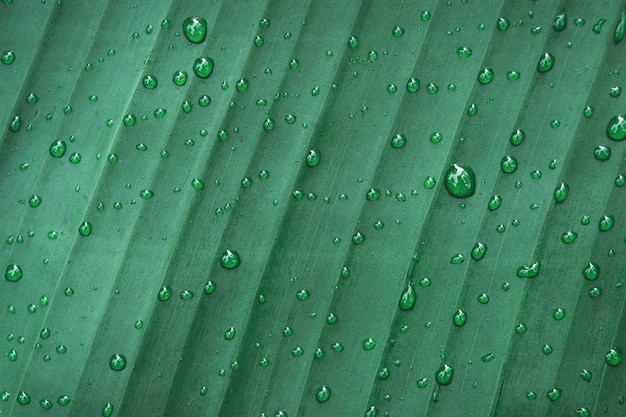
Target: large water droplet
[57,148]
[616,129]
[195,29]
[546,62]
[13,273]
[313,157]
[407,298]
[560,193]
[591,271]
[560,22]
[230,259]
[460,181]
[444,374]
[613,357]
[117,362]
[323,394]
[459,318]
[478,251]
[203,67]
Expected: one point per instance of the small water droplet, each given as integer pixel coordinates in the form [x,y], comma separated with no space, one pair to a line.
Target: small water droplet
[117,362]
[230,259]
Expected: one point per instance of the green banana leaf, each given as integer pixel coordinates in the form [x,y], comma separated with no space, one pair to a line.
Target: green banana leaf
[312,208]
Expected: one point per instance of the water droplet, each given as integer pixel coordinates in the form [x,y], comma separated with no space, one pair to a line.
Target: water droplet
[358,238]
[13,273]
[508,164]
[606,223]
[558,314]
[323,394]
[85,229]
[407,298]
[179,78]
[591,271]
[569,237]
[398,141]
[546,61]
[107,410]
[203,67]
[560,22]
[457,259]
[615,91]
[302,295]
[195,29]
[269,124]
[63,400]
[488,357]
[198,184]
[34,201]
[369,344]
[602,153]
[464,51]
[23,398]
[313,157]
[485,76]
[460,181]
[57,148]
[412,85]
[353,42]
[561,192]
[478,251]
[15,124]
[529,271]
[425,15]
[472,109]
[513,75]
[459,318]
[444,374]
[521,328]
[117,362]
[517,137]
[620,28]
[230,333]
[546,349]
[616,129]
[494,202]
[230,259]
[150,82]
[164,293]
[503,24]
[146,194]
[553,394]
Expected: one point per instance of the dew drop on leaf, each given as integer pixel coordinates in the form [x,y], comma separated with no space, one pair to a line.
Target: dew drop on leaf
[460,181]
[459,318]
[13,273]
[561,192]
[407,298]
[203,67]
[230,259]
[529,271]
[444,374]
[616,129]
[478,251]
[117,362]
[195,29]
[323,394]
[546,62]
